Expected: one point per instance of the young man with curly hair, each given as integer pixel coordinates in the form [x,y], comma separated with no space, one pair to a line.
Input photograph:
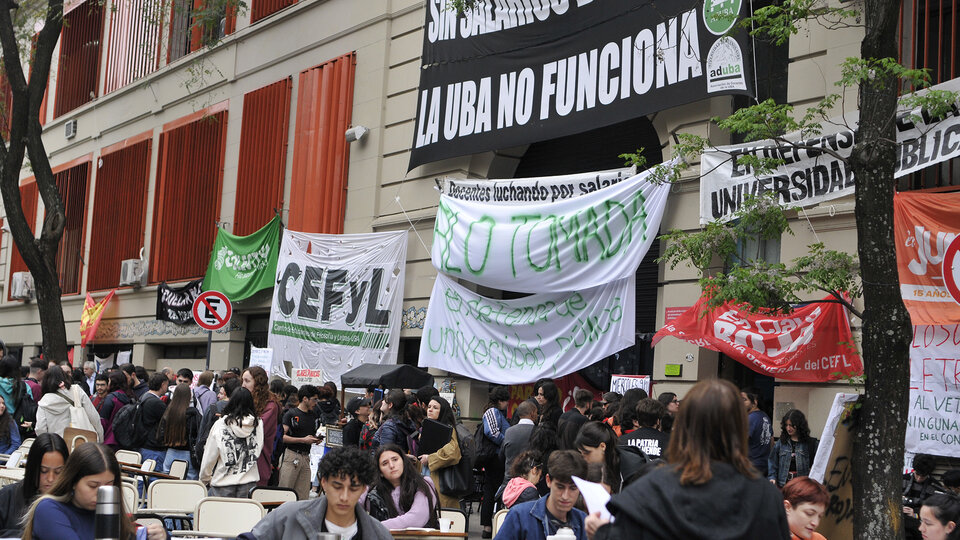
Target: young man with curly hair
[344,475]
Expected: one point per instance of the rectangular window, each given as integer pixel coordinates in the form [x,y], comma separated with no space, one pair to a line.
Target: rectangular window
[264,8]
[79,68]
[187,201]
[320,152]
[134,44]
[192,25]
[72,186]
[929,39]
[28,201]
[120,209]
[263,153]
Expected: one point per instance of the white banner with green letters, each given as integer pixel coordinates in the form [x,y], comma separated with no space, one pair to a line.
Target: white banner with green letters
[338,300]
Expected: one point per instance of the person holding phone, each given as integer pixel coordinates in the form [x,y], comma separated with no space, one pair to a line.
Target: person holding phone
[299,434]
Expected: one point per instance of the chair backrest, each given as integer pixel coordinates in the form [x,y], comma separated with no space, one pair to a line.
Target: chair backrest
[227,515]
[175,495]
[148,465]
[27,443]
[498,519]
[129,456]
[178,468]
[129,496]
[458,517]
[273,494]
[148,519]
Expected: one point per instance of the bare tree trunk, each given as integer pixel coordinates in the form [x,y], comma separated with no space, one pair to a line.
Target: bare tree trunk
[882,420]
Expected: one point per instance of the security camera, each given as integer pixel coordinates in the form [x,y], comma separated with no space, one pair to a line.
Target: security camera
[356,133]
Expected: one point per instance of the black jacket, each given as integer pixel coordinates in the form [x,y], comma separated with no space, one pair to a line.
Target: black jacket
[728,507]
[151,411]
[11,510]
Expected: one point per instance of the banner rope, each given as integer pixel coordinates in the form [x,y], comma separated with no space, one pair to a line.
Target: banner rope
[412,226]
[810,223]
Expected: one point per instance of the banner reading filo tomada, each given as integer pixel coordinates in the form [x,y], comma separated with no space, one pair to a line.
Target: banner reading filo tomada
[812,344]
[925,225]
[338,300]
[507,73]
[522,340]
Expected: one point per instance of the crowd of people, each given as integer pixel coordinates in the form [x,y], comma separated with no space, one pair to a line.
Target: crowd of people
[708,467]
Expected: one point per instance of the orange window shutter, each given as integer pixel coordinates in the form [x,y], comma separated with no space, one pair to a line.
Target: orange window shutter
[29,196]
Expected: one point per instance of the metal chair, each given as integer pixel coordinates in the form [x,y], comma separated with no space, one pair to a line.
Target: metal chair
[498,519]
[175,500]
[129,456]
[459,518]
[178,468]
[219,516]
[130,497]
[272,494]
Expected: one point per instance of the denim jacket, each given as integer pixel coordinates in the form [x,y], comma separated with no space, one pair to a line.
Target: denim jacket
[778,464]
[528,521]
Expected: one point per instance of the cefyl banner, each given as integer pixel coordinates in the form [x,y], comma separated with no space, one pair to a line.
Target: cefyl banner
[925,225]
[815,169]
[242,265]
[812,344]
[522,340]
[933,420]
[567,245]
[175,304]
[504,74]
[338,300]
[521,191]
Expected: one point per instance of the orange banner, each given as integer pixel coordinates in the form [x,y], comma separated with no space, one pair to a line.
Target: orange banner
[90,317]
[925,225]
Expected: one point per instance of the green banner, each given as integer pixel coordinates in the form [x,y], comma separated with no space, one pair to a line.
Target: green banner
[242,265]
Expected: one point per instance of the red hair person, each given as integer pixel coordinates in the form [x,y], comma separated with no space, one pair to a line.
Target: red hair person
[805,501]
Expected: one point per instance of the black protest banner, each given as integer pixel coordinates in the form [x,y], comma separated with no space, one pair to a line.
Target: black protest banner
[512,72]
[176,304]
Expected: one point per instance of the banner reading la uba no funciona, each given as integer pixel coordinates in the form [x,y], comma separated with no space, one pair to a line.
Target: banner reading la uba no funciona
[504,74]
[522,340]
[566,245]
[338,300]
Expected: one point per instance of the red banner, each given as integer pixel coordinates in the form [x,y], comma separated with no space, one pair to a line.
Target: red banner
[810,344]
[90,317]
[567,385]
[925,226]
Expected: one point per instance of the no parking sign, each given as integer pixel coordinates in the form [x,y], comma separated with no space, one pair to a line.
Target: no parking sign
[212,310]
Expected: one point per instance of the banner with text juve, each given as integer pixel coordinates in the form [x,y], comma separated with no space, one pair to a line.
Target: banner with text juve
[504,74]
[338,300]
[933,420]
[811,344]
[814,169]
[567,245]
[522,340]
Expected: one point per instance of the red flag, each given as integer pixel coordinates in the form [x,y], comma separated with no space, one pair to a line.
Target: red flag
[812,344]
[90,317]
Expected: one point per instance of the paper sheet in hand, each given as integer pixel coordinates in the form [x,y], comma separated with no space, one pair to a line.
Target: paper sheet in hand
[594,495]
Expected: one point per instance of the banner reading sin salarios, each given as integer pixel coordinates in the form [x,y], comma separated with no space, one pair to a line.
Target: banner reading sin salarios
[522,340]
[567,245]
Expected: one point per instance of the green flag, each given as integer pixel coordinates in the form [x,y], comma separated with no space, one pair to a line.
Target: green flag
[242,265]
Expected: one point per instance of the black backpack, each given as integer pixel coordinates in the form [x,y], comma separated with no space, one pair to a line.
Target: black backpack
[126,426]
[26,412]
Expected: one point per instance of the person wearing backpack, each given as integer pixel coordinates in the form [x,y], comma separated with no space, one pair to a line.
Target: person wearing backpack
[65,405]
[118,396]
[448,455]
[494,427]
[152,409]
[18,396]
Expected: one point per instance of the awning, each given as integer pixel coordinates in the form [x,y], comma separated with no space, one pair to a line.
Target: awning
[387,376]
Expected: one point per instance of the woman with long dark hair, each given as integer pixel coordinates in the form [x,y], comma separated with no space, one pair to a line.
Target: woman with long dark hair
[267,404]
[395,427]
[12,390]
[118,395]
[597,443]
[67,511]
[548,397]
[9,431]
[230,457]
[45,462]
[622,420]
[447,455]
[495,425]
[940,517]
[178,430]
[709,489]
[59,396]
[793,453]
[401,497]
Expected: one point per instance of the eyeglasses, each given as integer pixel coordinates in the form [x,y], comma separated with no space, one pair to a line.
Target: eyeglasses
[675,400]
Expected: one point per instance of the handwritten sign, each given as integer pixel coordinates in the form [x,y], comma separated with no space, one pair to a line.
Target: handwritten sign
[932,420]
[262,357]
[621,383]
[302,376]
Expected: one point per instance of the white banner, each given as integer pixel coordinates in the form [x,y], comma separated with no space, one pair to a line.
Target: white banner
[810,176]
[520,191]
[338,300]
[932,421]
[522,340]
[567,245]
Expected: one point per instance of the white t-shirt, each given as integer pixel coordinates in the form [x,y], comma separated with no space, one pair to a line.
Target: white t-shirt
[346,533]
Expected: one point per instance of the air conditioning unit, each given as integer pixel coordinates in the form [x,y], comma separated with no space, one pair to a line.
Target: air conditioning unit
[132,272]
[70,129]
[21,286]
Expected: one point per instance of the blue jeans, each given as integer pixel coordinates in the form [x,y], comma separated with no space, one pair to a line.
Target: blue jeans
[184,455]
[157,456]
